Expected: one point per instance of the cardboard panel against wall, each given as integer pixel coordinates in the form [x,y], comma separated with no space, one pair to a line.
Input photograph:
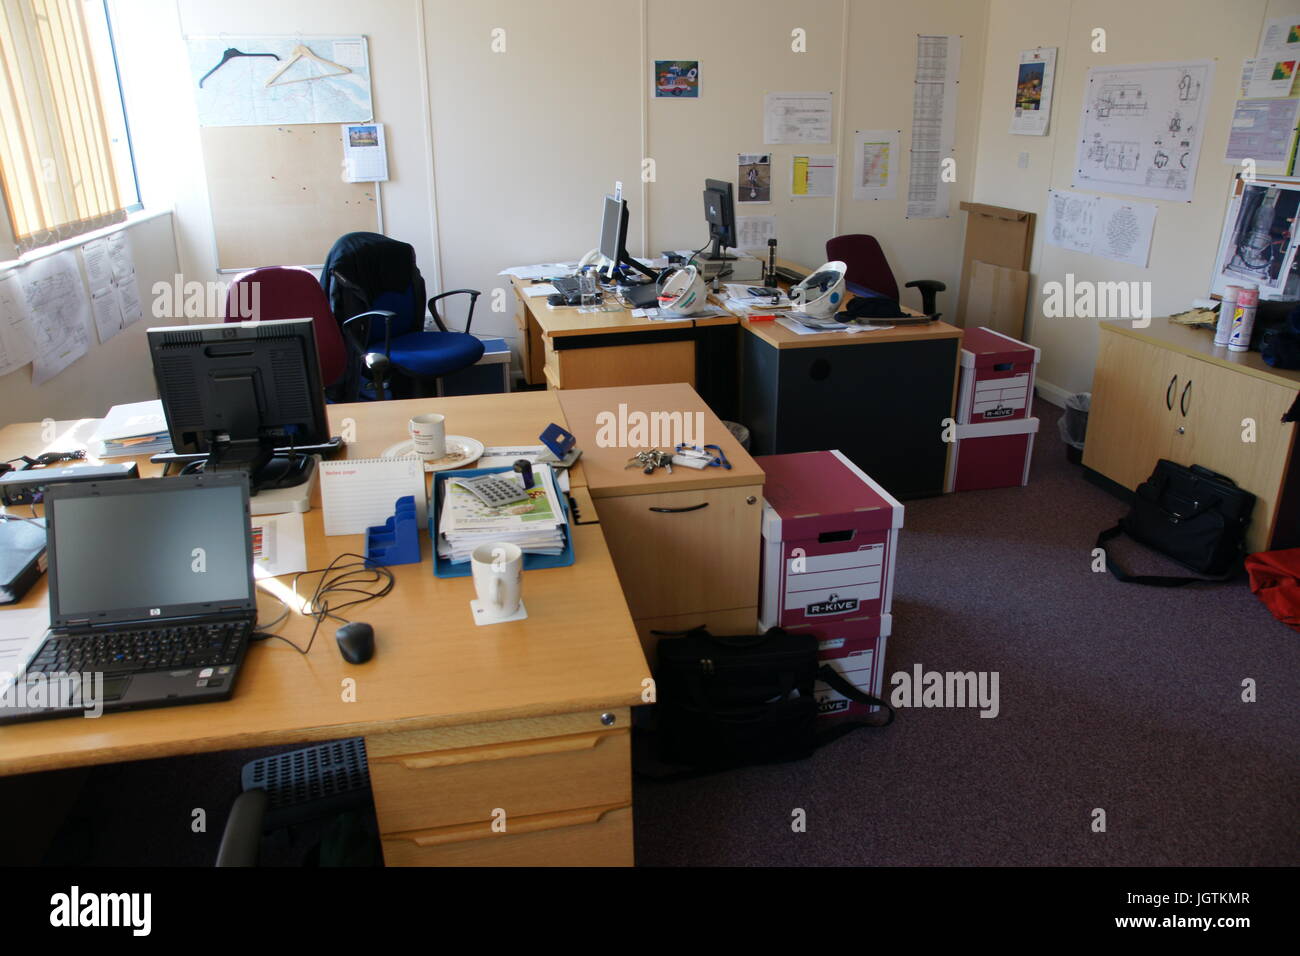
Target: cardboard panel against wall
[996,298]
[278,195]
[997,236]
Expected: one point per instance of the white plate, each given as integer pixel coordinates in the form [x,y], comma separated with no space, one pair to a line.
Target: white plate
[461,453]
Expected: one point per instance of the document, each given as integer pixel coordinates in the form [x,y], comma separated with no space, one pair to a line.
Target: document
[752,233]
[812,176]
[797,118]
[543,288]
[365,154]
[1034,77]
[360,493]
[279,545]
[1141,128]
[1101,226]
[99,267]
[934,124]
[59,312]
[15,332]
[1263,130]
[1274,68]
[876,168]
[121,254]
[107,313]
[22,632]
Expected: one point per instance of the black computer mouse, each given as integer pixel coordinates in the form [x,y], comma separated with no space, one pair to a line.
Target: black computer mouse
[356,642]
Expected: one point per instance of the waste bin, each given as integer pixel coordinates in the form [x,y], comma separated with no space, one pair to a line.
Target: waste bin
[1074,425]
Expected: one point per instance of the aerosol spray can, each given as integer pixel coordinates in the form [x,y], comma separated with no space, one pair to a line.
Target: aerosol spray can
[1243,319]
[1223,331]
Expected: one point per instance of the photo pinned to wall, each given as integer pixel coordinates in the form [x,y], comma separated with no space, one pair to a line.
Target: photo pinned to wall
[679,78]
[1034,78]
[1258,244]
[753,177]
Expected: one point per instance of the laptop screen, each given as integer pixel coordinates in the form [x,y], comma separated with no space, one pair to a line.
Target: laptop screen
[149,548]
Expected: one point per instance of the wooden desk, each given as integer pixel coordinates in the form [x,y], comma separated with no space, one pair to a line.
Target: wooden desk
[1166,391]
[531,717]
[880,397]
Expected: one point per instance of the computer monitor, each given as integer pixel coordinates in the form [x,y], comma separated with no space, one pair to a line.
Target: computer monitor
[613,238]
[720,213]
[244,396]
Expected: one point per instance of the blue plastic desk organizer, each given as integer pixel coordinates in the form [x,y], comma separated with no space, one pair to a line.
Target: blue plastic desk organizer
[397,540]
[445,569]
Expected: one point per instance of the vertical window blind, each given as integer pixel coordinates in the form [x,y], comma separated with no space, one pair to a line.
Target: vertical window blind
[56,167]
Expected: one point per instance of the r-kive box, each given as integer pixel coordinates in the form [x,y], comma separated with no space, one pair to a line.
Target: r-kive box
[997,377]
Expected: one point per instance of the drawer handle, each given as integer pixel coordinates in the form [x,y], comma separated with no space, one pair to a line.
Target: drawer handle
[678,511]
[1182,401]
[1169,393]
[464,832]
[502,751]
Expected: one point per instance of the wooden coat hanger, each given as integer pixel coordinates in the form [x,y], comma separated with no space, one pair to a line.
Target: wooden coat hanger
[302,52]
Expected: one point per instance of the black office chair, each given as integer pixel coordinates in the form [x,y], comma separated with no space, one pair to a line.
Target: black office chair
[378,298]
[327,782]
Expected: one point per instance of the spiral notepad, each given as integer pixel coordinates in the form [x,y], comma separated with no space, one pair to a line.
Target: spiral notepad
[358,493]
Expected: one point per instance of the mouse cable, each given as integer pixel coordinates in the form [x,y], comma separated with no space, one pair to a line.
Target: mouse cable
[348,578]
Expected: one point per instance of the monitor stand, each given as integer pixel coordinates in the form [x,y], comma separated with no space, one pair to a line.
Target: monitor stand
[286,498]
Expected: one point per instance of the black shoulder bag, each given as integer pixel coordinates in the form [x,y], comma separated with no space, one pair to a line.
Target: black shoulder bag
[1193,515]
[730,701]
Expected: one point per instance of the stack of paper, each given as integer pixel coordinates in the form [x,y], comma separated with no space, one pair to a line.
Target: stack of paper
[739,298]
[136,429]
[537,526]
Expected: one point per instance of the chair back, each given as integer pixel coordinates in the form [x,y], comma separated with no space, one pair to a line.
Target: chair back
[288,292]
[867,265]
[377,273]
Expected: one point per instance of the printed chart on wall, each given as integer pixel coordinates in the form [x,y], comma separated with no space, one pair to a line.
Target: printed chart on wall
[812,176]
[934,124]
[270,80]
[1035,76]
[1141,129]
[797,118]
[875,164]
[1116,229]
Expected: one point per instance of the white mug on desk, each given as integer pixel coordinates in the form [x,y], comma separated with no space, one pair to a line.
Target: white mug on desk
[498,569]
[429,436]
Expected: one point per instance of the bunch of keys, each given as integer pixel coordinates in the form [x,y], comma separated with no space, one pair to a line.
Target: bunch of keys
[650,460]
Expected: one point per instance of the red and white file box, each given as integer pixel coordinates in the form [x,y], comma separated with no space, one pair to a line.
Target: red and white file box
[997,377]
[830,535]
[993,455]
[856,649]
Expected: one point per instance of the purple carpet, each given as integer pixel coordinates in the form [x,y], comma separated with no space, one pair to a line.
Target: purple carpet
[1112,696]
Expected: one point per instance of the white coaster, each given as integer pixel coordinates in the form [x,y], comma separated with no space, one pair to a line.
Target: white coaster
[482,619]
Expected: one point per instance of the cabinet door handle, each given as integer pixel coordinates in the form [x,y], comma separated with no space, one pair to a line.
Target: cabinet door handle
[677,511]
[1182,401]
[1169,393]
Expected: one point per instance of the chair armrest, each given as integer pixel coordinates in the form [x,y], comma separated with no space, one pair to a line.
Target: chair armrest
[243,834]
[357,329]
[928,287]
[473,300]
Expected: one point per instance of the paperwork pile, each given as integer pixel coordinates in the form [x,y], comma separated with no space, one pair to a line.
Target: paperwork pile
[136,429]
[537,525]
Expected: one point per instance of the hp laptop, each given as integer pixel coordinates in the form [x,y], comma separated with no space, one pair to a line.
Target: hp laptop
[152,601]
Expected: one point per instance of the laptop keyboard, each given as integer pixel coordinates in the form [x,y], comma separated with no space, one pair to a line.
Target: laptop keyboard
[145,649]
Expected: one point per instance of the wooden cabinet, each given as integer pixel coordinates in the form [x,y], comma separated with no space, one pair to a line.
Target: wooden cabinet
[1166,392]
[543,791]
[686,545]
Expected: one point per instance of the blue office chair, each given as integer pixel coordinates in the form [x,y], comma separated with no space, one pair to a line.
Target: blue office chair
[378,298]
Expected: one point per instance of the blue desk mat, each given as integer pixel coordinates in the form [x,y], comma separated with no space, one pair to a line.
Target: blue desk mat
[445,569]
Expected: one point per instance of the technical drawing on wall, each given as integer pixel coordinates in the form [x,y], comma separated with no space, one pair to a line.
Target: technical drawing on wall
[1140,133]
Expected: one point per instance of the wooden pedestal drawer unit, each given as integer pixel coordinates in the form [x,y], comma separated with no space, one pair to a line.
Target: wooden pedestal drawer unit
[507,793]
[686,545]
[1166,392]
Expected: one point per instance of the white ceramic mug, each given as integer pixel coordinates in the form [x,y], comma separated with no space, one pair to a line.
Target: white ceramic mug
[498,569]
[429,436]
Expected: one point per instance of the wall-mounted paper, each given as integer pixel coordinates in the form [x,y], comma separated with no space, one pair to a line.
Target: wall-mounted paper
[1101,226]
[797,118]
[1034,78]
[1263,130]
[365,153]
[753,177]
[1141,129]
[877,164]
[752,233]
[812,176]
[934,124]
[59,312]
[15,330]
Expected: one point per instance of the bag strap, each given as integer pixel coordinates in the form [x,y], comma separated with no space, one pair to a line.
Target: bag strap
[831,677]
[1154,580]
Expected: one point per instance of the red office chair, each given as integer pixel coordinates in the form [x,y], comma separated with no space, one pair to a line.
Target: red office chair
[869,273]
[288,292]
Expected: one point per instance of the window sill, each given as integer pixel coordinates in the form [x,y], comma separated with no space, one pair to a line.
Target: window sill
[132,219]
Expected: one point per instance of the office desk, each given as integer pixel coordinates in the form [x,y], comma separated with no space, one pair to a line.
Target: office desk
[880,397]
[530,717]
[566,349]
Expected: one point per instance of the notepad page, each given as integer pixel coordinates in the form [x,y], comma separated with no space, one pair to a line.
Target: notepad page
[360,493]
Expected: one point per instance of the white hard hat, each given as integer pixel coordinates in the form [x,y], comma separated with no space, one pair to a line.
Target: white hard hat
[822,293]
[683,291]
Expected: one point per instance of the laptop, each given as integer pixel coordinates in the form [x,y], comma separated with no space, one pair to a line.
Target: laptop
[152,601]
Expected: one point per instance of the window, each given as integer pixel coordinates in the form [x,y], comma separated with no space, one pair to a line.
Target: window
[65,155]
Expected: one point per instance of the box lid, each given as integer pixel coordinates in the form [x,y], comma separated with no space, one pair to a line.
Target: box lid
[983,347]
[810,492]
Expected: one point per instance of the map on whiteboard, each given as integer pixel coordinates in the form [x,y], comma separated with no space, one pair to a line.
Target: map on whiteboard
[1140,134]
[235,92]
